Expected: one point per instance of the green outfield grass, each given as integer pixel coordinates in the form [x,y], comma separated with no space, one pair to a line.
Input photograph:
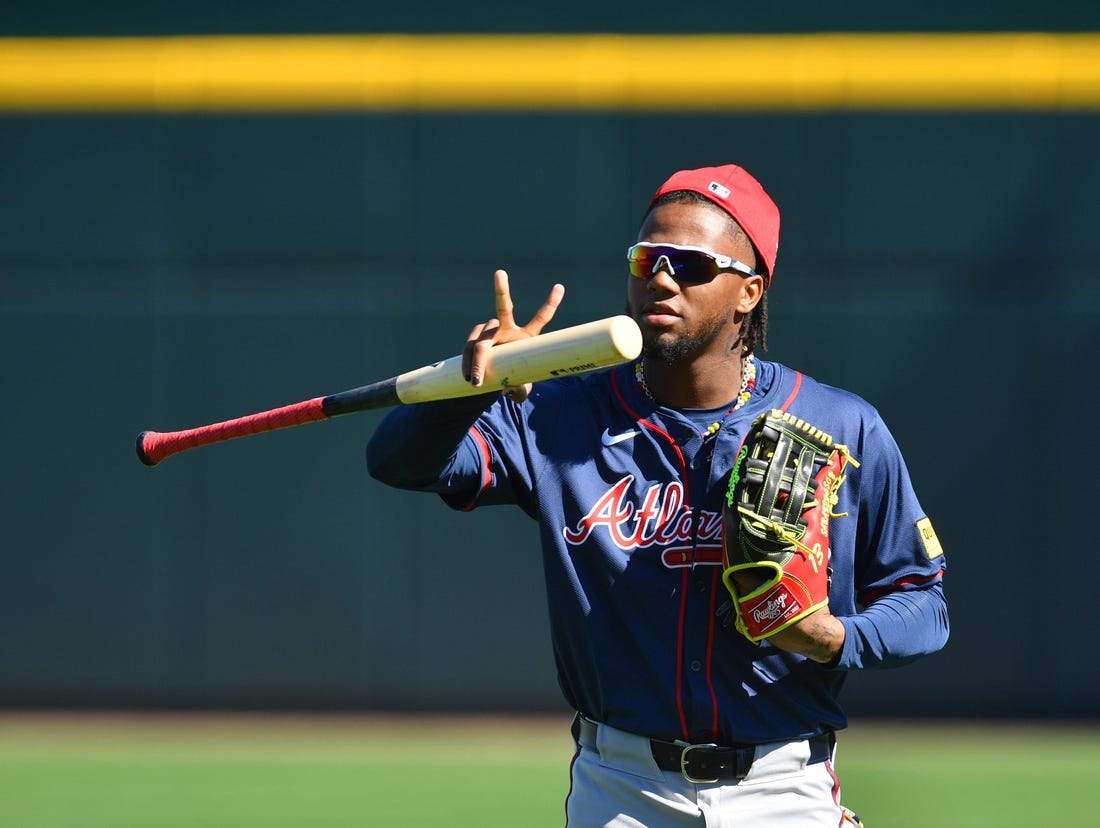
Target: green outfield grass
[197,771]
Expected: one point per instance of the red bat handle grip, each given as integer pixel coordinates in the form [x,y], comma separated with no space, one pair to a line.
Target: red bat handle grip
[154,446]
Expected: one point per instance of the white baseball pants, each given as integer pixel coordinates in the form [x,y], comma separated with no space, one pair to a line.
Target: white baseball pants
[615,783]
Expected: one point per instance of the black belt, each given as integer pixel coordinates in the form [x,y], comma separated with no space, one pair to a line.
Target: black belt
[709,763]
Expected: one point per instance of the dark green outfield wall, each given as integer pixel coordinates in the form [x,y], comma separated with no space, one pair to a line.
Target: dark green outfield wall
[166,272]
[163,272]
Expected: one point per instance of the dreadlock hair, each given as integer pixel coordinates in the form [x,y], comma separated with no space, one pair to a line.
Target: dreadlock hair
[754,329]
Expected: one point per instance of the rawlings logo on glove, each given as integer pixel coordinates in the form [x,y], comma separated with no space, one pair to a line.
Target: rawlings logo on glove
[782,491]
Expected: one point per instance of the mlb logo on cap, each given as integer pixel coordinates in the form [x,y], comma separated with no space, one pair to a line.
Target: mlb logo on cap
[719,190]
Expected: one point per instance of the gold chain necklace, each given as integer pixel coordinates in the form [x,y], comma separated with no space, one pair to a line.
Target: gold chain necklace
[748,383]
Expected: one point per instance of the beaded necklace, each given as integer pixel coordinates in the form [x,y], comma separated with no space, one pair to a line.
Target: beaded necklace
[748,383]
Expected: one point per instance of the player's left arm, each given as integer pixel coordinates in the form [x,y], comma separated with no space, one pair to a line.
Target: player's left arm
[897,628]
[897,567]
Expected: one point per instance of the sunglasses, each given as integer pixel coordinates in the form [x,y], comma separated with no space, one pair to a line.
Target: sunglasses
[690,265]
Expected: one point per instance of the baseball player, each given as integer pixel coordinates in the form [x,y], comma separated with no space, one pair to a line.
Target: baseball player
[724,538]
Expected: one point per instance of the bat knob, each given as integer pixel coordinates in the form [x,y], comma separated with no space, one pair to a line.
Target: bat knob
[142,456]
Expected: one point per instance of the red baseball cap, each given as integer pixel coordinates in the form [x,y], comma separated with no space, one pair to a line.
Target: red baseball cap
[740,195]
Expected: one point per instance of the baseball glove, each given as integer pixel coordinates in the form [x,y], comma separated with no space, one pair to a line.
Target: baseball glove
[781,496]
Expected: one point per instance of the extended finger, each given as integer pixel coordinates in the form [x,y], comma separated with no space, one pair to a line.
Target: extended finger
[545,313]
[505,308]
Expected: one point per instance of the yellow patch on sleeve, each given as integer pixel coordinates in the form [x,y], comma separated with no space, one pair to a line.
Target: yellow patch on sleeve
[928,537]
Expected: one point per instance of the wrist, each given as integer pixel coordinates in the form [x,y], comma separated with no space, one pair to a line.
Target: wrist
[819,637]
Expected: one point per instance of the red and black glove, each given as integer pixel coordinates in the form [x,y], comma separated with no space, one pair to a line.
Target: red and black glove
[782,492]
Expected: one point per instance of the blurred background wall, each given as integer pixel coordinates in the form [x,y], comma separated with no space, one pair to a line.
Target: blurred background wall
[164,269]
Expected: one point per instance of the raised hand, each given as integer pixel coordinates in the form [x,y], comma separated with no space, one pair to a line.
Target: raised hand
[503,328]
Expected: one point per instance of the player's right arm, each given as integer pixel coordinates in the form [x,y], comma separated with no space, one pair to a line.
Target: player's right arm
[423,446]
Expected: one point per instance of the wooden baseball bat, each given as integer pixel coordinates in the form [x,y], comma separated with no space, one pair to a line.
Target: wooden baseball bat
[573,350]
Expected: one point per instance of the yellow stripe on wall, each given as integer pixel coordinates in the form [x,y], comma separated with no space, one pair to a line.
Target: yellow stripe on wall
[552,72]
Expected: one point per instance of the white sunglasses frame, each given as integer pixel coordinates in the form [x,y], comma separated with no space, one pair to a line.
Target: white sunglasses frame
[723,262]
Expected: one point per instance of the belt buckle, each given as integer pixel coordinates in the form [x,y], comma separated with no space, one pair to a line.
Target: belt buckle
[684,764]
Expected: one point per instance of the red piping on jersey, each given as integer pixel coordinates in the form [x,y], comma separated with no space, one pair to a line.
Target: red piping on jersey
[794,391]
[871,596]
[646,424]
[710,649]
[680,654]
[486,461]
[616,374]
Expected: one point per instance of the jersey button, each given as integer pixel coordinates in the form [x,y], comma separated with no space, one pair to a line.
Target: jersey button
[700,585]
[696,665]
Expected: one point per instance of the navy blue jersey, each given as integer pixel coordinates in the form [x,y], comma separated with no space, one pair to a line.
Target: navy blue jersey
[628,498]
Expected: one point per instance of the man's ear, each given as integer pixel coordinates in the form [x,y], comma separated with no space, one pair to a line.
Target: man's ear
[752,291]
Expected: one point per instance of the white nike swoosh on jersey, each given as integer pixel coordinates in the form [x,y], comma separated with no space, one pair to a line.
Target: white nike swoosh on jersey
[609,439]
